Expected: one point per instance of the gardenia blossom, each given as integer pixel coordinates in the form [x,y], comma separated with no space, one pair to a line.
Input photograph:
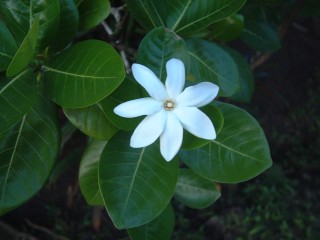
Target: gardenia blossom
[169,109]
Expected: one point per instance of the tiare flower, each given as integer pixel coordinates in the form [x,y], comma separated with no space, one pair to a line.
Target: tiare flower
[169,109]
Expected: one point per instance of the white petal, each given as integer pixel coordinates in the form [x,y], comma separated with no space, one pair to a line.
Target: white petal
[148,130]
[138,107]
[171,137]
[196,122]
[175,77]
[198,95]
[147,79]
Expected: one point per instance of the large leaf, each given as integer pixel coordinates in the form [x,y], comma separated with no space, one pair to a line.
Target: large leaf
[160,228]
[83,74]
[159,46]
[228,29]
[93,12]
[19,14]
[8,47]
[240,151]
[26,51]
[136,184]
[195,191]
[182,16]
[17,96]
[89,172]
[27,152]
[209,62]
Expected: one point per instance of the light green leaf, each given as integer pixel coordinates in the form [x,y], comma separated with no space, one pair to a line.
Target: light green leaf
[26,51]
[83,74]
[228,29]
[8,47]
[27,152]
[240,151]
[159,46]
[209,62]
[195,191]
[160,228]
[260,36]
[17,96]
[89,172]
[136,183]
[93,12]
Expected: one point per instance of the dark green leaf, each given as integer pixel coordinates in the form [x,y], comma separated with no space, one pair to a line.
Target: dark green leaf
[209,62]
[93,12]
[136,184]
[17,96]
[89,172]
[26,51]
[27,152]
[160,228]
[195,191]
[83,74]
[228,29]
[8,47]
[240,151]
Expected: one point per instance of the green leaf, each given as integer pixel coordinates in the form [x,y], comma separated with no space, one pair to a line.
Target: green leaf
[260,36]
[69,23]
[240,151]
[26,51]
[209,62]
[89,172]
[92,121]
[159,46]
[27,152]
[195,191]
[228,29]
[93,12]
[8,47]
[83,74]
[19,15]
[160,228]
[190,141]
[136,184]
[17,96]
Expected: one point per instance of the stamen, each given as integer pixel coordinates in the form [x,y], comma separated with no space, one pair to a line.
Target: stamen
[169,105]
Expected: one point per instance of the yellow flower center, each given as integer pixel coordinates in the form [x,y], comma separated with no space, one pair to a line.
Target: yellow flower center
[169,105]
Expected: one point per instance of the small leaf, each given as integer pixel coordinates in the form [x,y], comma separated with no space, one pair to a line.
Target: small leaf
[83,74]
[17,96]
[228,29]
[195,191]
[93,12]
[209,62]
[239,153]
[88,173]
[27,151]
[160,228]
[26,51]
[136,184]
[8,47]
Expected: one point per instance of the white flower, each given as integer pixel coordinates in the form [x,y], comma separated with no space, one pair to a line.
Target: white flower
[169,109]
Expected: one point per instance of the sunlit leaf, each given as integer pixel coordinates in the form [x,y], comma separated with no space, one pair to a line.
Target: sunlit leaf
[8,47]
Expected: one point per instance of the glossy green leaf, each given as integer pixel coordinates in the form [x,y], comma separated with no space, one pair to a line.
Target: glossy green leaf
[26,51]
[27,152]
[83,74]
[195,191]
[209,62]
[8,47]
[159,46]
[136,183]
[228,29]
[160,228]
[69,23]
[93,12]
[182,16]
[190,141]
[260,36]
[89,172]
[240,151]
[17,96]
[19,14]
[91,120]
